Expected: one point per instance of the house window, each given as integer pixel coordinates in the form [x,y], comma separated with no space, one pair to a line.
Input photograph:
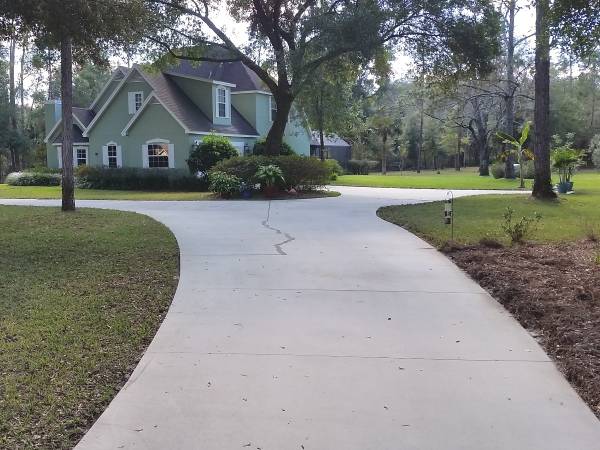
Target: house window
[136,99]
[158,155]
[81,156]
[112,156]
[221,102]
[273,108]
[139,99]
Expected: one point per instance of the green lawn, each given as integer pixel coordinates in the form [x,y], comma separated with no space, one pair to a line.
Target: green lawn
[569,218]
[83,294]
[447,179]
[46,192]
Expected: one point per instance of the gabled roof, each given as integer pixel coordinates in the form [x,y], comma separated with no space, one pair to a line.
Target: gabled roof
[235,73]
[77,136]
[330,140]
[119,73]
[185,111]
[81,119]
[179,105]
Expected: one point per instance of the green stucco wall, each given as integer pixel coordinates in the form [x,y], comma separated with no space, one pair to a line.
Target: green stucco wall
[105,95]
[155,123]
[113,120]
[200,92]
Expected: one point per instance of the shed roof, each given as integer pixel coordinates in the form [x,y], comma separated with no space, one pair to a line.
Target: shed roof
[330,140]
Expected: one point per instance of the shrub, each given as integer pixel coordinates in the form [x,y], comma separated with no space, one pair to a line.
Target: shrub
[260,147]
[210,151]
[42,169]
[497,170]
[528,170]
[361,166]
[224,184]
[243,167]
[334,168]
[138,179]
[517,230]
[299,172]
[269,176]
[33,179]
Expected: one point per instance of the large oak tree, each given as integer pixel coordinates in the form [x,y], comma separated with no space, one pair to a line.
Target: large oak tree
[291,39]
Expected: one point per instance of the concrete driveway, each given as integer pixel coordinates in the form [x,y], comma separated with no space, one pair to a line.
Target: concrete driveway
[312,324]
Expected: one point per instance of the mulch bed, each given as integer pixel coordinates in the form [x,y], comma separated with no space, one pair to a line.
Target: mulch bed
[554,292]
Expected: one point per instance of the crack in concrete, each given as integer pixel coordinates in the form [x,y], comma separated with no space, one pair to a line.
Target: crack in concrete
[288,237]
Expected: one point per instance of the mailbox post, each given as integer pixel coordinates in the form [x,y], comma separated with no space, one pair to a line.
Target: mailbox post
[449,212]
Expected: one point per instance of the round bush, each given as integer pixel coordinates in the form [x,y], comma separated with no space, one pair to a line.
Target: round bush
[361,166]
[497,170]
[261,145]
[335,170]
[210,151]
[33,179]
[528,170]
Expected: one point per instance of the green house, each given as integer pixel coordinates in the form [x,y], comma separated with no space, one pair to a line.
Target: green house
[151,119]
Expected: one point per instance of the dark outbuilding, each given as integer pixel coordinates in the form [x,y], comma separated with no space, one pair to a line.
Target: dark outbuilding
[335,148]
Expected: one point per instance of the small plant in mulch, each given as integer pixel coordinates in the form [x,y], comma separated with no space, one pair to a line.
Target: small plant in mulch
[518,229]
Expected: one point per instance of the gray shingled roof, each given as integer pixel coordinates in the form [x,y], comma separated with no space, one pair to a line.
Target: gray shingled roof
[77,135]
[84,115]
[229,72]
[174,99]
[331,140]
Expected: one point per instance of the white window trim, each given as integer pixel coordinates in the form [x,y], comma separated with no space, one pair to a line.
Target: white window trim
[171,147]
[105,161]
[131,101]
[75,148]
[227,103]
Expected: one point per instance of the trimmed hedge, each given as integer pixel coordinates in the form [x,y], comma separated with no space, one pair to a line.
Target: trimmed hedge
[299,172]
[33,179]
[361,166]
[139,179]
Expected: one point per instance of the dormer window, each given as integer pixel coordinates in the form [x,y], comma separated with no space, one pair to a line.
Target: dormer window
[222,103]
[273,107]
[136,99]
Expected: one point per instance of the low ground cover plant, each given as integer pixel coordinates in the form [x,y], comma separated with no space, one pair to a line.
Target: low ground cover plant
[27,178]
[139,179]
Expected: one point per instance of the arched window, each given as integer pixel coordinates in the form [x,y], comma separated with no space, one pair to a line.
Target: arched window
[158,154]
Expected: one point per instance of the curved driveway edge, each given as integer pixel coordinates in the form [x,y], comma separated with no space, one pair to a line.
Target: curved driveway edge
[313,324]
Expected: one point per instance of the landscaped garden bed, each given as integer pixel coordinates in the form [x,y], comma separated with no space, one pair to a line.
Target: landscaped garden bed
[83,294]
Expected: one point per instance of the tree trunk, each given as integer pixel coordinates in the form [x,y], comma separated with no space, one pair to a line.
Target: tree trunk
[66,89]
[420,143]
[509,119]
[22,81]
[484,160]
[12,107]
[275,135]
[542,185]
[322,142]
